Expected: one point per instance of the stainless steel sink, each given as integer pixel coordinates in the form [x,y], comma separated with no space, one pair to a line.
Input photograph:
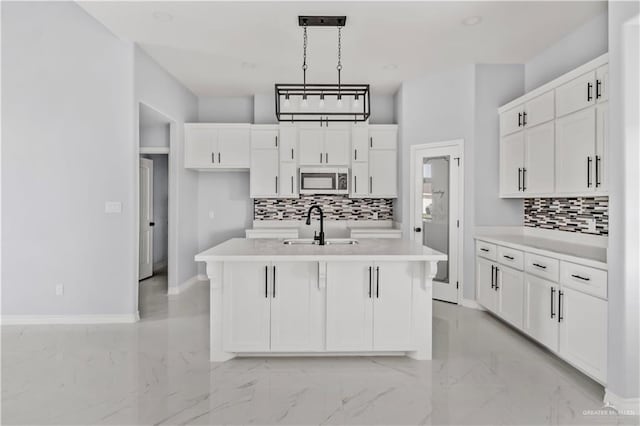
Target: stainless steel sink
[328,241]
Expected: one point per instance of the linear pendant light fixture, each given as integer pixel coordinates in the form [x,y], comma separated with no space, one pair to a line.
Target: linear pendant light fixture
[322,103]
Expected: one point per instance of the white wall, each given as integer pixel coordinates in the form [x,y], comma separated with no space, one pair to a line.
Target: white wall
[623,359]
[495,85]
[439,107]
[225,109]
[159,90]
[67,141]
[578,47]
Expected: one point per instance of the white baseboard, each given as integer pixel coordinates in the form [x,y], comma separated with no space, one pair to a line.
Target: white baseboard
[69,319]
[472,304]
[624,406]
[173,291]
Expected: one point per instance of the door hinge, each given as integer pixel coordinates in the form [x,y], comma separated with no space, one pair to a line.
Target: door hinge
[457,160]
[457,285]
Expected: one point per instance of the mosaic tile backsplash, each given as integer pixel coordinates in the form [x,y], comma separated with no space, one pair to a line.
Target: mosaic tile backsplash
[567,214]
[335,207]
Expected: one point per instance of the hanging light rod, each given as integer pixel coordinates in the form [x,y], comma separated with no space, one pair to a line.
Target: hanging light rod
[322,21]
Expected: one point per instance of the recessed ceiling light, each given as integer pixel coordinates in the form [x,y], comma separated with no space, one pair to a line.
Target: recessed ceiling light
[472,20]
[390,67]
[162,16]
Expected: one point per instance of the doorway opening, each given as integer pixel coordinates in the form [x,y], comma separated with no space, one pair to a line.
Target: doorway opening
[436,212]
[155,133]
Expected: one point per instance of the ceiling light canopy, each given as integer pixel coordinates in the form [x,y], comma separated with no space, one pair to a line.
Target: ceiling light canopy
[322,102]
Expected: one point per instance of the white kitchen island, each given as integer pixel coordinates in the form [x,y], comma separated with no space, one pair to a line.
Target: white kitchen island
[273,299]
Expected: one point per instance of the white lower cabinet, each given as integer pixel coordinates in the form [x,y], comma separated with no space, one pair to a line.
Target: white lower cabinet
[510,284]
[541,311]
[369,306]
[569,317]
[272,307]
[583,331]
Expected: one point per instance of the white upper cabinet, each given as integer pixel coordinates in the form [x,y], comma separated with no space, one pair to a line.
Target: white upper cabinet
[264,137]
[374,161]
[383,174]
[288,143]
[288,182]
[217,146]
[575,95]
[383,137]
[538,174]
[359,179]
[575,152]
[360,144]
[554,139]
[511,164]
[321,146]
[538,110]
[511,120]
[264,177]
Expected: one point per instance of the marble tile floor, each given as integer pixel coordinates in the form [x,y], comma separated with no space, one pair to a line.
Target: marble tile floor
[156,372]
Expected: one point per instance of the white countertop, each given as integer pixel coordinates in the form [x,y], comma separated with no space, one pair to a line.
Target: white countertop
[589,255]
[240,249]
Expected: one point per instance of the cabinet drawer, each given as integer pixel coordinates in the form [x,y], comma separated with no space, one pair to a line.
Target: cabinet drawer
[511,257]
[486,250]
[542,266]
[583,278]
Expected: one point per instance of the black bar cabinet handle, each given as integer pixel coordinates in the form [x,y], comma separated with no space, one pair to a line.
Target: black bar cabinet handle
[321,157]
[589,87]
[598,183]
[292,184]
[519,119]
[326,157]
[292,153]
[508,257]
[484,249]
[276,141]
[377,282]
[598,93]
[370,279]
[589,172]
[524,119]
[524,179]
[355,154]
[497,269]
[276,183]
[492,275]
[355,183]
[537,265]
[560,294]
[274,282]
[519,179]
[370,183]
[213,157]
[266,281]
[580,278]
[371,142]
[553,291]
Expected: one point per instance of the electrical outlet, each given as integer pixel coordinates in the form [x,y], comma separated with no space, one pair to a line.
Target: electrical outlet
[591,225]
[59,289]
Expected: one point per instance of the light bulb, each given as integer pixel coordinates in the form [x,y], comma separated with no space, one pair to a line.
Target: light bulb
[321,103]
[286,101]
[339,103]
[304,103]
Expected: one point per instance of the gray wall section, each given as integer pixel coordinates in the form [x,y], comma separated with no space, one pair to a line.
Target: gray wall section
[67,147]
[495,85]
[578,47]
[225,109]
[434,108]
[623,359]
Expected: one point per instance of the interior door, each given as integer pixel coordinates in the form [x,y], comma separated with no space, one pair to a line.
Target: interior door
[246,312]
[437,214]
[392,303]
[264,173]
[511,295]
[337,146]
[575,151]
[311,146]
[541,311]
[349,306]
[511,163]
[539,165]
[145,257]
[297,307]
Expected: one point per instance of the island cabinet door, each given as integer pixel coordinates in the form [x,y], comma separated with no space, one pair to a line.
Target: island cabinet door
[246,301]
[297,307]
[392,302]
[349,306]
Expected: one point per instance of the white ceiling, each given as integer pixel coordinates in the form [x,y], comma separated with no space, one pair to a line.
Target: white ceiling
[241,48]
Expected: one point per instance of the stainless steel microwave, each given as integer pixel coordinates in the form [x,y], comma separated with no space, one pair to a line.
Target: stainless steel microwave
[324,180]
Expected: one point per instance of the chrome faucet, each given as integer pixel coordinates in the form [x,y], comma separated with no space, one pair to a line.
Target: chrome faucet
[319,238]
